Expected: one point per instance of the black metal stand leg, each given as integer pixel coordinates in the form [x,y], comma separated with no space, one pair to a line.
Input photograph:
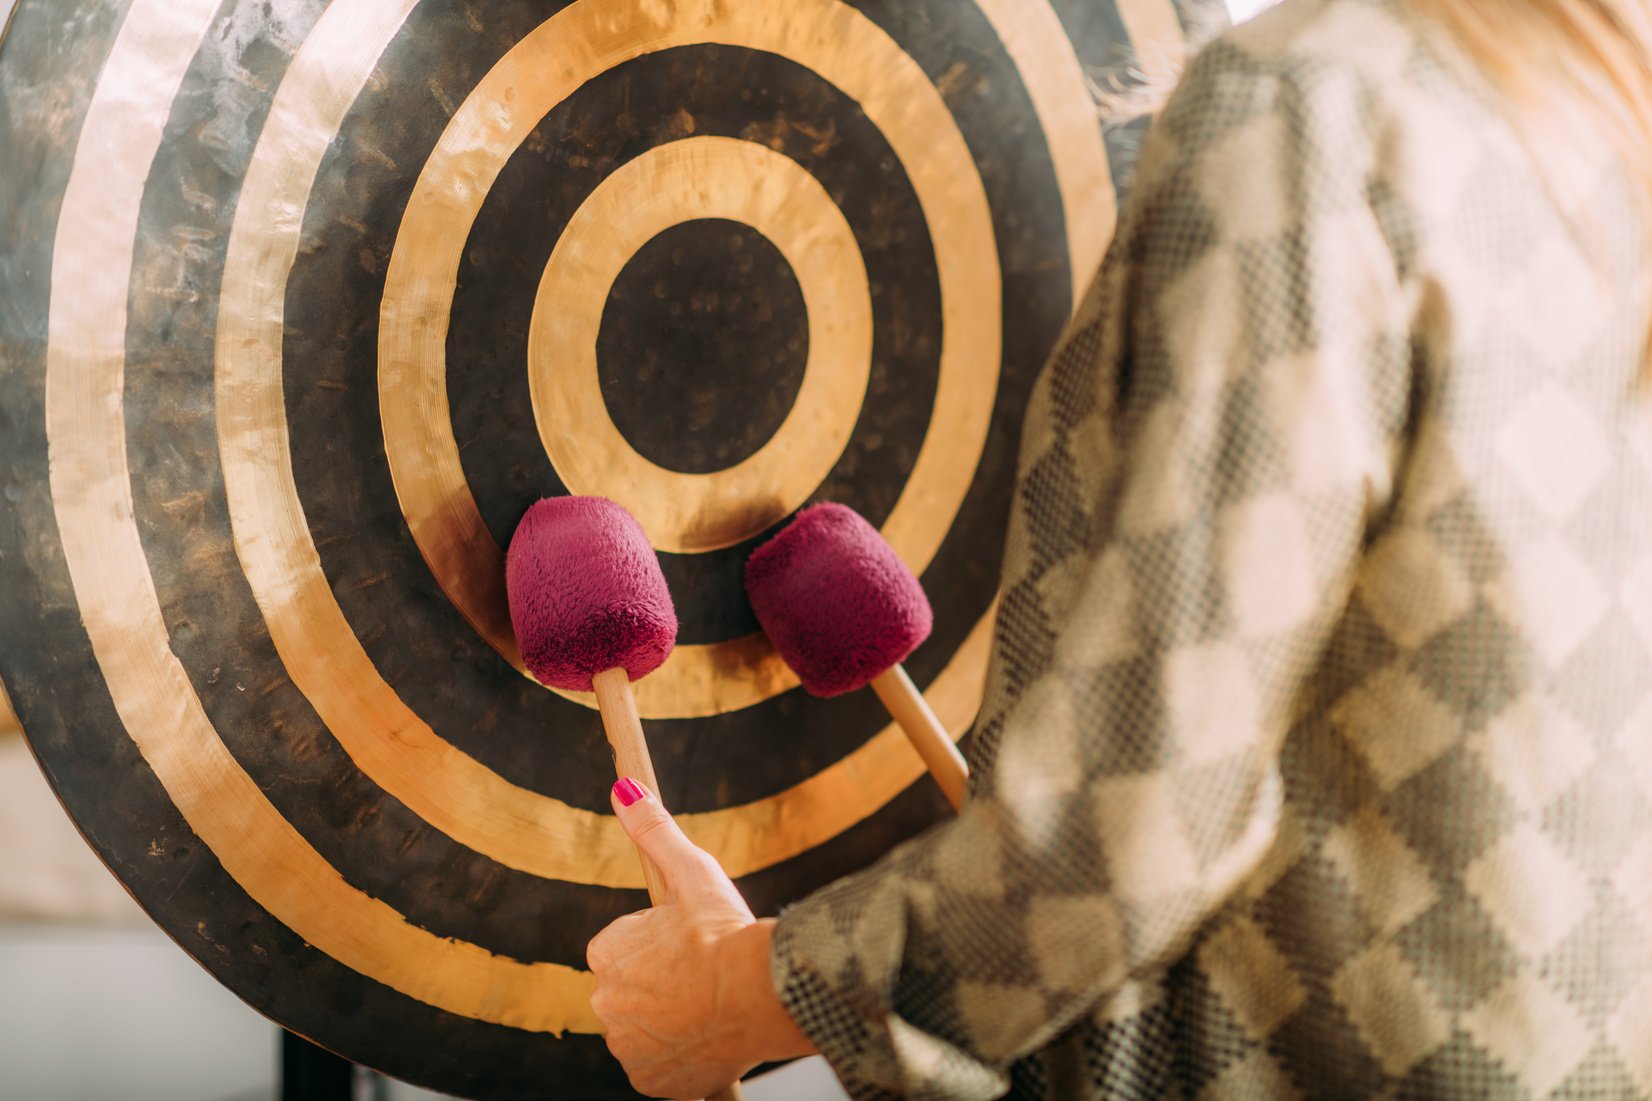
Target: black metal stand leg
[310,1073]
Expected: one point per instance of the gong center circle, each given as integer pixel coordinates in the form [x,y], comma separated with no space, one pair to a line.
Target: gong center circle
[707,323]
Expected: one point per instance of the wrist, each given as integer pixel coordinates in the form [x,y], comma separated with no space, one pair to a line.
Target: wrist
[767,1032]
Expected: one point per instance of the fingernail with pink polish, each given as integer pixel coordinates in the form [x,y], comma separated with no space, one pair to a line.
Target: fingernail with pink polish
[628,790]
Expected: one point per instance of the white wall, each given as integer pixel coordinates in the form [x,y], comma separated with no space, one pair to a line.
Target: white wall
[1242,10]
[90,1013]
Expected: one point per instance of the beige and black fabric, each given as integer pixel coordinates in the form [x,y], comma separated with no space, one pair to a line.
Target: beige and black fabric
[1317,754]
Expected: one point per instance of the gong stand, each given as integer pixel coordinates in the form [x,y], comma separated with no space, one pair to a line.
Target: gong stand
[311,1073]
[304,303]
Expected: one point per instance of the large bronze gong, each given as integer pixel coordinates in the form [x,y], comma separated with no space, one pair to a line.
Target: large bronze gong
[302,304]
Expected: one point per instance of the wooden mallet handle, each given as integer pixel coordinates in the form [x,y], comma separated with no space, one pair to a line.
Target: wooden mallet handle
[624,728]
[909,708]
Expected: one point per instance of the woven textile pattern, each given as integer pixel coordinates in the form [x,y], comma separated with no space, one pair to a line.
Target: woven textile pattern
[1316,759]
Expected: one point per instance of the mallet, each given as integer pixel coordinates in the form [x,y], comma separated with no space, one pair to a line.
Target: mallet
[592,613]
[844,611]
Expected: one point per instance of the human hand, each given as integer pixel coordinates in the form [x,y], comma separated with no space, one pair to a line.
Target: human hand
[683,989]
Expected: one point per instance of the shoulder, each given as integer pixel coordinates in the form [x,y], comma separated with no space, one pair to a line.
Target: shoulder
[1359,67]
[1362,33]
[1290,108]
[1377,42]
[1345,100]
[1340,65]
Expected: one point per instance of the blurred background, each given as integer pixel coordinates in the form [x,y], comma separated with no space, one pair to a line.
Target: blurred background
[94,998]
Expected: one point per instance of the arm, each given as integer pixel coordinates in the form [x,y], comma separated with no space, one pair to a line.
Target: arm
[1202,461]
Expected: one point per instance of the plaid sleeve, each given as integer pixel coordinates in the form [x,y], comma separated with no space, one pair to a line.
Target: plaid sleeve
[1201,462]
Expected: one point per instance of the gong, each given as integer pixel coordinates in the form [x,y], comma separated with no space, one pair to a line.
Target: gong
[303,304]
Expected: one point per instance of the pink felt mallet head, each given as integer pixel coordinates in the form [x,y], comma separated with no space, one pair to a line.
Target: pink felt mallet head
[836,600]
[842,608]
[586,593]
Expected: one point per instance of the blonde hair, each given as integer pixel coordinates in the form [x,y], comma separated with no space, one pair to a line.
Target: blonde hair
[1567,67]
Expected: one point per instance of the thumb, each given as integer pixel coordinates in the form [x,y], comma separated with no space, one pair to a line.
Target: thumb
[653,830]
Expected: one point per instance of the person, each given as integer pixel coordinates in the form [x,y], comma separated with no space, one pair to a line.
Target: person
[1316,753]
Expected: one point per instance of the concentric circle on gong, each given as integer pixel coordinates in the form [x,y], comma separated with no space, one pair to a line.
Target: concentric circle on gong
[467,801]
[701,177]
[310,727]
[844,48]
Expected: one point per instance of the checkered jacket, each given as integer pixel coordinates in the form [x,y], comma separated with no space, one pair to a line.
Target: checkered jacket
[1316,756]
